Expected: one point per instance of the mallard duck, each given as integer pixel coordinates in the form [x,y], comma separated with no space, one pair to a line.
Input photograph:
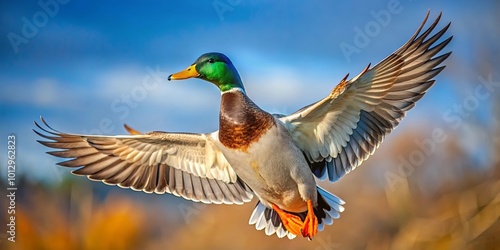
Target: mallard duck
[277,158]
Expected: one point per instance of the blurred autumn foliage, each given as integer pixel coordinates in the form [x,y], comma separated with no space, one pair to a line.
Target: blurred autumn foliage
[459,213]
[50,218]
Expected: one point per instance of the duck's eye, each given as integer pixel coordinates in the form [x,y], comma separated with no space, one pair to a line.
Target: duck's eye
[211,60]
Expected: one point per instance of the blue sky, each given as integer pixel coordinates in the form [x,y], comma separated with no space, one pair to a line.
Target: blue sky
[90,66]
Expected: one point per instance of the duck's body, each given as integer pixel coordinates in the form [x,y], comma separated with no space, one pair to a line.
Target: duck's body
[283,178]
[256,153]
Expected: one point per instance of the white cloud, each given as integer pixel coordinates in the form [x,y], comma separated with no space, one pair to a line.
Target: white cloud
[285,89]
[42,92]
[149,84]
[46,92]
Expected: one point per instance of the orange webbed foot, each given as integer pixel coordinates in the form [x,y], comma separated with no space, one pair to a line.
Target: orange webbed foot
[310,227]
[291,222]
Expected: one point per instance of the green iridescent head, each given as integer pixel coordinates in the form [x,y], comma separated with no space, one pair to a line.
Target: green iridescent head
[215,68]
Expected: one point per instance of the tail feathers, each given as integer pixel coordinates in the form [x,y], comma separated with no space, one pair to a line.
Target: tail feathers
[328,208]
[266,218]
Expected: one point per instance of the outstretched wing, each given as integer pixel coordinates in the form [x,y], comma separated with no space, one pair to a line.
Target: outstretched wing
[186,165]
[339,132]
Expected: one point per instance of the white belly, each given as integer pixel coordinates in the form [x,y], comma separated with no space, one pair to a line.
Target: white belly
[276,170]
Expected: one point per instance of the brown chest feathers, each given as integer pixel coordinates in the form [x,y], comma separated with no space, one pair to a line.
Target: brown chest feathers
[241,121]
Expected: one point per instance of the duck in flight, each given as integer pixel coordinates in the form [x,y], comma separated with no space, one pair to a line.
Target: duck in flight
[273,157]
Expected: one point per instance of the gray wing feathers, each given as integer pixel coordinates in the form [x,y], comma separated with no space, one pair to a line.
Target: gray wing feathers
[142,167]
[353,120]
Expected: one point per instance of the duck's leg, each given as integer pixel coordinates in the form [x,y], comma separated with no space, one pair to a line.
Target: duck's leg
[291,222]
[310,227]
